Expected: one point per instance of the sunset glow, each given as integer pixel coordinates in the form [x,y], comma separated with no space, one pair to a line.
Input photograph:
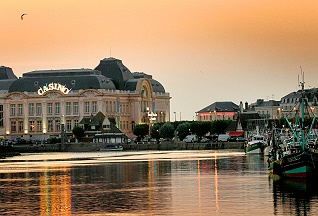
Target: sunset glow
[202,51]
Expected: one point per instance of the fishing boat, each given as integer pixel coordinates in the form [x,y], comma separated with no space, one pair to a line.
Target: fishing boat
[111,147]
[256,144]
[298,158]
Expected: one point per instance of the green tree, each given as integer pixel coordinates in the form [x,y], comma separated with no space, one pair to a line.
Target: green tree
[200,128]
[78,131]
[183,130]
[154,131]
[219,126]
[166,130]
[141,130]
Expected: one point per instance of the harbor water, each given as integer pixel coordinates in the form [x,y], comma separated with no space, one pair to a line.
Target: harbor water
[205,182]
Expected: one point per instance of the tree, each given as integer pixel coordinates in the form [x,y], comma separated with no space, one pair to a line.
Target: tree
[154,131]
[166,130]
[78,132]
[141,130]
[183,130]
[219,126]
[200,128]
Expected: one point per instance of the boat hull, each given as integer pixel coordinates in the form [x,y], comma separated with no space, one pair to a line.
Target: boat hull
[299,165]
[254,148]
[111,148]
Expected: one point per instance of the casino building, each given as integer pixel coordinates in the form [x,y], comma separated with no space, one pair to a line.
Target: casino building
[35,105]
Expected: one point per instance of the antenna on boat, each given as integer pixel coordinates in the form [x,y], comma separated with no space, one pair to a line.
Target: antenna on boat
[302,82]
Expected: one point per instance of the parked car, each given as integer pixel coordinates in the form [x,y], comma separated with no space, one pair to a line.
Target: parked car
[191,139]
[223,137]
[204,140]
[241,139]
[232,139]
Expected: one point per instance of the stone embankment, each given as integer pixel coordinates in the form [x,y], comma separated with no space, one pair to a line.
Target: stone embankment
[166,145]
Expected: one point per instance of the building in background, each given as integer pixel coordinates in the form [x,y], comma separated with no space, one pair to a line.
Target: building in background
[267,109]
[218,111]
[37,104]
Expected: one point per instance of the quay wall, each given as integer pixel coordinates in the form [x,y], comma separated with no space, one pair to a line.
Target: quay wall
[166,145]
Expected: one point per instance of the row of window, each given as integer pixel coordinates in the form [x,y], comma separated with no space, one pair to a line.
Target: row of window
[52,125]
[70,108]
[36,126]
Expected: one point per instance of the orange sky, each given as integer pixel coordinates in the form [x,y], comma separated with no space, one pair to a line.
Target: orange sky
[202,51]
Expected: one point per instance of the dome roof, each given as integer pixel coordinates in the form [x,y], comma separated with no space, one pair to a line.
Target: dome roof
[114,69]
[156,86]
[131,85]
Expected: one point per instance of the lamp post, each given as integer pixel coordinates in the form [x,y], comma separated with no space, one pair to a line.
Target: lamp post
[62,132]
[175,116]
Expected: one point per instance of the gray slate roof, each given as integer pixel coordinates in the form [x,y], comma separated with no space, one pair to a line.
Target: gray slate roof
[221,107]
[109,74]
[310,94]
[6,73]
[74,79]
[114,69]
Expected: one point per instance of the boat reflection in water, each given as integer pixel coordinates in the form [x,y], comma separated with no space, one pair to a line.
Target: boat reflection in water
[294,197]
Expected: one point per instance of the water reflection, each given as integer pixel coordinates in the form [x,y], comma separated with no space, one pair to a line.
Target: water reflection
[294,197]
[146,183]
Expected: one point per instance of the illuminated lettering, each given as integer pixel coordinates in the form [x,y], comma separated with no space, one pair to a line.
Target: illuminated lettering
[53,86]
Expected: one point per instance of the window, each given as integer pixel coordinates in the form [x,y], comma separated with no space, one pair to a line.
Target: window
[38,109]
[111,106]
[20,126]
[68,108]
[39,126]
[49,108]
[86,107]
[20,109]
[106,127]
[13,126]
[57,108]
[12,113]
[31,126]
[106,106]
[50,125]
[31,109]
[94,106]
[57,125]
[68,125]
[75,122]
[75,107]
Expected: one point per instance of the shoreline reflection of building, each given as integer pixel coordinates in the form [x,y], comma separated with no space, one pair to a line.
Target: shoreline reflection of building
[55,192]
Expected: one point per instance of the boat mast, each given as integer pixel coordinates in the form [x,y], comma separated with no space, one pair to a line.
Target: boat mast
[302,84]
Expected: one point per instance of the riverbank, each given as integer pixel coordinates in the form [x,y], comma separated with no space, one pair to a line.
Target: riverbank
[8,151]
[166,145]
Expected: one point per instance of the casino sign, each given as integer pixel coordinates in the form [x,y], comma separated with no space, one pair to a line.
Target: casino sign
[53,86]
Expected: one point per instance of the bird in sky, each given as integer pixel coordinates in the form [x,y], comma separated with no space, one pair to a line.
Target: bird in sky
[22,16]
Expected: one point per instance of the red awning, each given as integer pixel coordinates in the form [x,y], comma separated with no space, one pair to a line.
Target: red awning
[236,133]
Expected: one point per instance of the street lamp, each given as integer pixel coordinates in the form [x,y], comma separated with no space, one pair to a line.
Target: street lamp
[62,132]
